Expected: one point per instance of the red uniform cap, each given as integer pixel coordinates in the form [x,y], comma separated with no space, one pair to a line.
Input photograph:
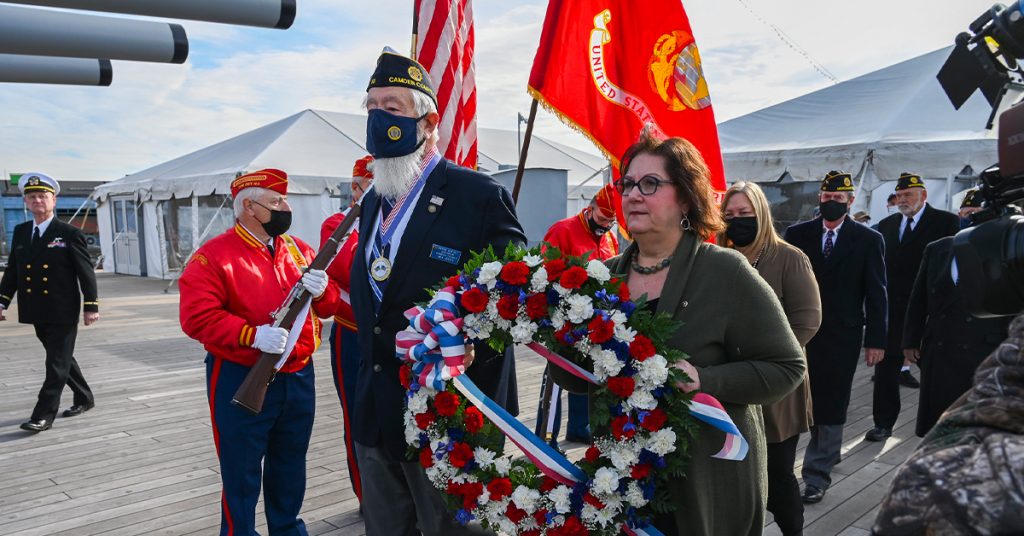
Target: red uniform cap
[362,167]
[605,200]
[271,179]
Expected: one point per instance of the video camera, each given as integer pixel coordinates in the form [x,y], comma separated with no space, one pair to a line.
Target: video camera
[990,254]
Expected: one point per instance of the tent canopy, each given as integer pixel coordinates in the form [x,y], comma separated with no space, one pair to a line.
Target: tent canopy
[317,149]
[894,119]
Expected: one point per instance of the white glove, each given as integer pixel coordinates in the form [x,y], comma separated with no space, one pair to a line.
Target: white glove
[270,340]
[315,281]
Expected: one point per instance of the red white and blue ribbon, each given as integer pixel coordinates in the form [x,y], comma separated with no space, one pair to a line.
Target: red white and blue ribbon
[565,364]
[708,409]
[434,342]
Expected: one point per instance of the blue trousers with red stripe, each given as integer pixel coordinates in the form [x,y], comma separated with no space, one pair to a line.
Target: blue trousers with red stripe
[268,449]
[345,365]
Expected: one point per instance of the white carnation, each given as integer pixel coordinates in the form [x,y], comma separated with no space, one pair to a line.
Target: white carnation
[619,318]
[606,481]
[662,442]
[502,465]
[523,331]
[557,318]
[484,457]
[623,332]
[604,516]
[598,271]
[506,526]
[623,458]
[412,434]
[539,281]
[642,399]
[418,402]
[477,326]
[606,364]
[489,274]
[560,498]
[533,260]
[635,495]
[562,291]
[580,308]
[525,498]
[654,370]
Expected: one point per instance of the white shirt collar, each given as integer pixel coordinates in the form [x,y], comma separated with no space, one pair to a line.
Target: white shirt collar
[825,228]
[42,226]
[267,243]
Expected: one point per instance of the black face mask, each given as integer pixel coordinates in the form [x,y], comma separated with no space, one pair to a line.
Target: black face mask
[279,222]
[742,230]
[832,210]
[596,228]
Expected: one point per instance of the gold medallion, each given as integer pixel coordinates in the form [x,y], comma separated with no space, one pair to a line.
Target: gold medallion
[380,269]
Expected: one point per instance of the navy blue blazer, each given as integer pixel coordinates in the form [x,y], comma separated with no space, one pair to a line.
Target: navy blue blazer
[459,211]
[852,280]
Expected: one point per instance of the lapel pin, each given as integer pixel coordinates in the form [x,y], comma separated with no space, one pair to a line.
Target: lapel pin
[432,209]
[436,200]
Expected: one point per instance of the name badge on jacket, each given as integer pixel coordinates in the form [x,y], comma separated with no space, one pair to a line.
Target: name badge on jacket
[57,243]
[443,254]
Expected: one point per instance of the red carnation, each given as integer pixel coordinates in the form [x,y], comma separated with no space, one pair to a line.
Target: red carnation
[554,268]
[547,484]
[426,458]
[515,273]
[474,420]
[405,376]
[561,333]
[641,348]
[572,527]
[624,291]
[619,427]
[460,454]
[593,501]
[601,330]
[446,404]
[537,306]
[513,513]
[453,282]
[469,492]
[541,517]
[534,532]
[500,487]
[592,454]
[425,419]
[508,307]
[654,420]
[640,470]
[475,300]
[622,386]
[573,277]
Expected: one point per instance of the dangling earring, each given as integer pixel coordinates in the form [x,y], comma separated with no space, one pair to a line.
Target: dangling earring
[685,223]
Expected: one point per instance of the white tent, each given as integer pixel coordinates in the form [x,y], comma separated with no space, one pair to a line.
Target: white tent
[875,126]
[151,221]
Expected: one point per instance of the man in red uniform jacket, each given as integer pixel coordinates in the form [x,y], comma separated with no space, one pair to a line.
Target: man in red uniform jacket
[587,233]
[344,336]
[229,289]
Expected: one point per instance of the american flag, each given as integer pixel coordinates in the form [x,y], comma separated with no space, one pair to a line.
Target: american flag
[445,48]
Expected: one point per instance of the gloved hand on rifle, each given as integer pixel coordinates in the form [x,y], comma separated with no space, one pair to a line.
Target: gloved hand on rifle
[315,281]
[270,339]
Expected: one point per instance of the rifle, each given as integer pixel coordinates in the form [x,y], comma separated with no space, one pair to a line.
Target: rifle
[253,390]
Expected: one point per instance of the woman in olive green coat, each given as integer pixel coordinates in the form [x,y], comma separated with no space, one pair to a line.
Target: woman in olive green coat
[740,348]
[788,272]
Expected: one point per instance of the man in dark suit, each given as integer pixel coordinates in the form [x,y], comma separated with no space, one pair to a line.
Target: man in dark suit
[848,262]
[906,234]
[420,222]
[945,340]
[50,271]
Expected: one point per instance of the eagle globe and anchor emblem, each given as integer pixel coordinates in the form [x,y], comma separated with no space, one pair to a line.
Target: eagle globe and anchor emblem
[675,72]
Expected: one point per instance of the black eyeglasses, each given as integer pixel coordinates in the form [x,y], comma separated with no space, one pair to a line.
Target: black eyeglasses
[648,184]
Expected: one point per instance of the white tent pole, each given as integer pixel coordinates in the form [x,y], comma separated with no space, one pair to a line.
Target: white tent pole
[949,192]
[161,236]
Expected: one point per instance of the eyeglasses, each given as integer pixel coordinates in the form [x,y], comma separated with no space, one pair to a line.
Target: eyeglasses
[648,184]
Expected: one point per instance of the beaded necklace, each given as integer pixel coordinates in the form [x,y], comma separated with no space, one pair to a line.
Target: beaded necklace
[647,270]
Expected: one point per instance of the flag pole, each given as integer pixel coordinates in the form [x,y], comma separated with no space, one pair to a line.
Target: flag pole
[523,153]
[415,27]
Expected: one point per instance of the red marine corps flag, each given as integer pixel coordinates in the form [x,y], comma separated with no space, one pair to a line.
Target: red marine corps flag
[444,42]
[607,67]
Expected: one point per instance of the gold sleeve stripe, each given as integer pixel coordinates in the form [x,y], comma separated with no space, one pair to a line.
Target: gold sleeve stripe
[4,297]
[245,338]
[91,303]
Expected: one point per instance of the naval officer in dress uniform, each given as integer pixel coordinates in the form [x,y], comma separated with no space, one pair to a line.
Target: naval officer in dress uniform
[50,272]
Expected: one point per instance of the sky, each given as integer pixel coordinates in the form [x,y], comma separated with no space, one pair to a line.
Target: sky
[239,78]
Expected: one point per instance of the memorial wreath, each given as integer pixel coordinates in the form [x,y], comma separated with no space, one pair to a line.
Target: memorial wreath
[580,318]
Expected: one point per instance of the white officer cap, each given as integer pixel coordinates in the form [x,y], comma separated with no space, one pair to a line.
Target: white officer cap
[38,182]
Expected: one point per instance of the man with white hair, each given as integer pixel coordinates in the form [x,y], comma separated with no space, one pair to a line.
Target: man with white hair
[420,223]
[229,289]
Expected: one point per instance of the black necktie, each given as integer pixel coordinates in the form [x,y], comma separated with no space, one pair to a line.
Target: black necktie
[829,244]
[906,230]
[35,236]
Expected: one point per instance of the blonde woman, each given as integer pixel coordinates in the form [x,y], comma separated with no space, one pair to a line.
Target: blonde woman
[750,230]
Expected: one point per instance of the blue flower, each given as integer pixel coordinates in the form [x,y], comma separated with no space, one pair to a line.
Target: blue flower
[424,440]
[463,517]
[628,308]
[457,434]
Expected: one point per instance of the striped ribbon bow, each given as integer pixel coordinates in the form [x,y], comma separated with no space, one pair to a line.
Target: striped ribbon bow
[434,342]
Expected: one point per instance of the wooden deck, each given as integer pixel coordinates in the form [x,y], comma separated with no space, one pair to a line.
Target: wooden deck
[143,462]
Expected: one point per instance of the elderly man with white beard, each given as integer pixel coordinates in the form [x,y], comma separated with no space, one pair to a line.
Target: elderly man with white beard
[421,221]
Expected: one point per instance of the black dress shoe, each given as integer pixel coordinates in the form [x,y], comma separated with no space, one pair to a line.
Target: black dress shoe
[908,380]
[813,494]
[586,440]
[878,434]
[77,409]
[33,425]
